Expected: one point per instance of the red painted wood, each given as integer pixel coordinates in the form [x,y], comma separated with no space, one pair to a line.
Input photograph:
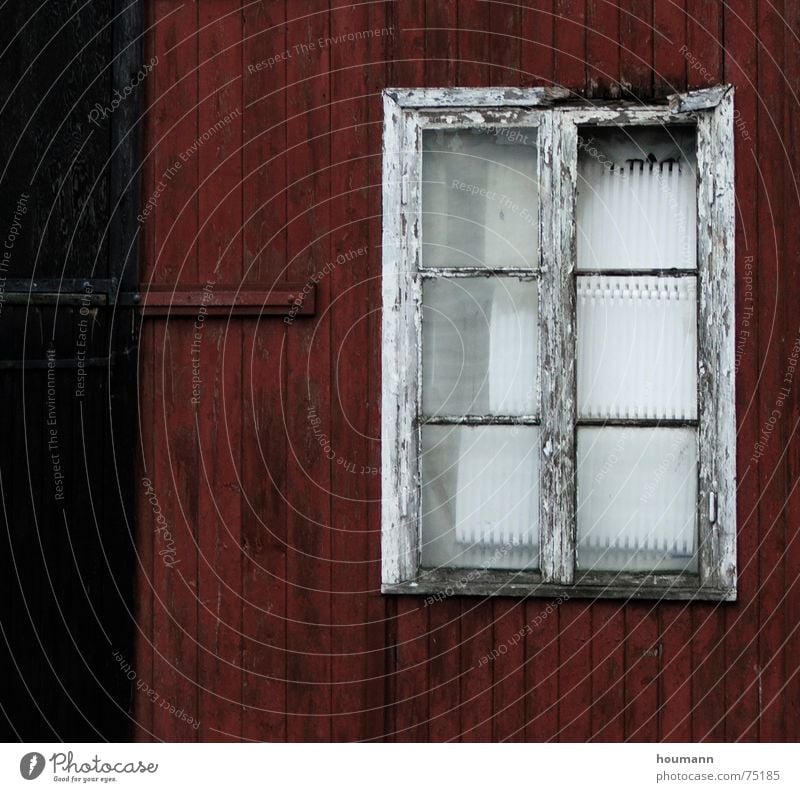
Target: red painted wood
[308,478]
[675,696]
[411,678]
[536,48]
[254,299]
[574,672]
[173,114]
[145,527]
[542,672]
[176,466]
[636,46]
[643,651]
[176,463]
[264,364]
[476,680]
[356,685]
[602,49]
[791,693]
[263,481]
[742,623]
[774,346]
[704,42]
[608,672]
[264,53]
[570,43]
[277,630]
[669,43]
[508,668]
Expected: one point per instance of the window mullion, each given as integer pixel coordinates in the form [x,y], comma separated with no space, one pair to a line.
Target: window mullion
[558,169]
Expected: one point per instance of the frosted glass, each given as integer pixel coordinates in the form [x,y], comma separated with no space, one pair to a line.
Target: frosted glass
[637,347]
[480,198]
[637,499]
[480,496]
[637,198]
[479,346]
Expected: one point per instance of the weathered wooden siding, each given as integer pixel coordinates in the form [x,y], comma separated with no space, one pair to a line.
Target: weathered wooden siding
[270,626]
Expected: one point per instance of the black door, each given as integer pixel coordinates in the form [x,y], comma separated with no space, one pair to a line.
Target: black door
[68,196]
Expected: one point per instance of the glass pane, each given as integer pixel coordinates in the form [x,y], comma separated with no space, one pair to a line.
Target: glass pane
[637,198]
[637,347]
[479,346]
[637,499]
[480,496]
[480,198]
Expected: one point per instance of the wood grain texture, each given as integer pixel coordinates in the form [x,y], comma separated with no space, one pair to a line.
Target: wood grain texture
[323,654]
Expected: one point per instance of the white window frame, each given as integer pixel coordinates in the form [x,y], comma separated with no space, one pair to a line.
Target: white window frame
[558,115]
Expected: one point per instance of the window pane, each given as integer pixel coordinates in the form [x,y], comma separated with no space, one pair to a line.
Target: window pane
[637,499]
[480,496]
[479,346]
[480,198]
[637,347]
[637,198]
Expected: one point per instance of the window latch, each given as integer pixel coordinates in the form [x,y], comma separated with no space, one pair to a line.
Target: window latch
[712,507]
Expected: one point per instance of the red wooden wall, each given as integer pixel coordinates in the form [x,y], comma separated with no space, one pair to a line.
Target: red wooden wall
[266,623]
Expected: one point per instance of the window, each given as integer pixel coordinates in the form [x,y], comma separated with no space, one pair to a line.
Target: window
[558,404]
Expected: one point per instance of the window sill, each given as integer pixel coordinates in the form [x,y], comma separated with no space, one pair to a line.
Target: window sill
[442,584]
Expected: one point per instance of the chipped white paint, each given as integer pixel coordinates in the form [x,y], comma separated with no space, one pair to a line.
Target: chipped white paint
[716,345]
[407,112]
[477,97]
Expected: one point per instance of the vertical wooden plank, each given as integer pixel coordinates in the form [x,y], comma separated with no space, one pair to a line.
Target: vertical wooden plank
[775,337]
[602,49]
[354,639]
[508,668]
[704,42]
[570,43]
[574,672]
[175,558]
[219,534]
[791,693]
[264,532]
[441,43]
[145,556]
[742,621]
[473,43]
[536,48]
[171,202]
[265,55]
[675,697]
[174,217]
[218,347]
[642,666]
[264,377]
[669,47]
[504,43]
[308,475]
[608,672]
[476,680]
[542,671]
[411,683]
[408,44]
[636,47]
[378,607]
